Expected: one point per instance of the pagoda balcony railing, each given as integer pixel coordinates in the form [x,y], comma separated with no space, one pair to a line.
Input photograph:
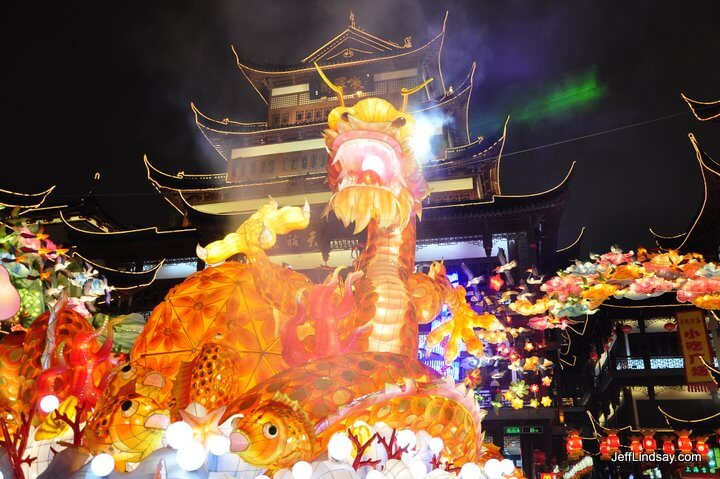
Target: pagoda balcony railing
[656,362]
[629,363]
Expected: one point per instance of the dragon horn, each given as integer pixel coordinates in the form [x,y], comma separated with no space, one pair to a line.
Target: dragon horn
[336,88]
[406,92]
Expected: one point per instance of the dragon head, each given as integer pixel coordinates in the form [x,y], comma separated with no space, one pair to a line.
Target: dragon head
[371,167]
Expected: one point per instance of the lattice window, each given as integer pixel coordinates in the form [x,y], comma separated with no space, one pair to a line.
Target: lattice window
[667,363]
[629,363]
[284,101]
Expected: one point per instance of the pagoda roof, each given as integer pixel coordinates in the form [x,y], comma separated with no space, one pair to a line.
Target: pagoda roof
[704,110]
[151,231]
[226,135]
[568,253]
[123,280]
[14,199]
[484,148]
[499,205]
[352,42]
[257,74]
[703,234]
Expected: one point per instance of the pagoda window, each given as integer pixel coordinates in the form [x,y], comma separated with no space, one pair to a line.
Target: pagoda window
[327,112]
[271,166]
[294,163]
[286,164]
[318,114]
[275,119]
[262,167]
[253,168]
[308,115]
[285,118]
[299,117]
[313,162]
[304,162]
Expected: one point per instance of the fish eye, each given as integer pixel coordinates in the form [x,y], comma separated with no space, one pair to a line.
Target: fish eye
[345,116]
[126,368]
[128,408]
[399,122]
[270,430]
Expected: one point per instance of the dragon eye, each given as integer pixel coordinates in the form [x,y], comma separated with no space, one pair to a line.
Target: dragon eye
[127,368]
[128,408]
[345,116]
[270,430]
[399,122]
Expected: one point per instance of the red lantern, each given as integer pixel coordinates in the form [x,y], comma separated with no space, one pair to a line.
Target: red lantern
[496,282]
[648,442]
[668,446]
[604,449]
[669,326]
[635,446]
[684,442]
[613,440]
[626,328]
[574,444]
[700,446]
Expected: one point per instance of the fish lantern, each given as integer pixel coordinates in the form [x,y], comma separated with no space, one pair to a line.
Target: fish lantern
[669,326]
[684,442]
[604,449]
[635,446]
[626,328]
[648,442]
[573,444]
[668,445]
[701,447]
[613,441]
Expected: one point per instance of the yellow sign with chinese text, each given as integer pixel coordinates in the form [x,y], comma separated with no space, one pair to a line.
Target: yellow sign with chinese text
[695,344]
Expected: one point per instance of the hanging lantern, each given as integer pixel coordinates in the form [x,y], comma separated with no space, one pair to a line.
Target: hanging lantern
[613,440]
[635,446]
[701,447]
[604,449]
[626,328]
[648,442]
[669,326]
[668,445]
[684,442]
[573,444]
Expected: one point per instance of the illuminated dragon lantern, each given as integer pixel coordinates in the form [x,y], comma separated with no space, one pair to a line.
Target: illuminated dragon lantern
[346,349]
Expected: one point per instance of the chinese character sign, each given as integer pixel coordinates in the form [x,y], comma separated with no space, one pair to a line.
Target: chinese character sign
[694,342]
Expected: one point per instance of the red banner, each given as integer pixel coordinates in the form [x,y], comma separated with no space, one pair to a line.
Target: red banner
[695,343]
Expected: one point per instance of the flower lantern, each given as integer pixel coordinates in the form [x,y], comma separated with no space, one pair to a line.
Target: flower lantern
[573,444]
[684,442]
[496,282]
[613,440]
[701,447]
[668,445]
[604,449]
[669,326]
[648,442]
[626,328]
[635,445]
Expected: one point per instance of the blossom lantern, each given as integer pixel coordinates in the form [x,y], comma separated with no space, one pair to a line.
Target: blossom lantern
[573,444]
[684,442]
[648,442]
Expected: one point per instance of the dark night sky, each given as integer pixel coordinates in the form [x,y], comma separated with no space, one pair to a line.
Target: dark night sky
[94,87]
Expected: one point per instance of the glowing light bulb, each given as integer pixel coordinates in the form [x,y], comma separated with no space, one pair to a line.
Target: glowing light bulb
[339,447]
[470,470]
[49,403]
[191,457]
[373,163]
[406,438]
[302,470]
[418,469]
[179,434]
[218,445]
[102,465]
[436,445]
[507,467]
[492,468]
